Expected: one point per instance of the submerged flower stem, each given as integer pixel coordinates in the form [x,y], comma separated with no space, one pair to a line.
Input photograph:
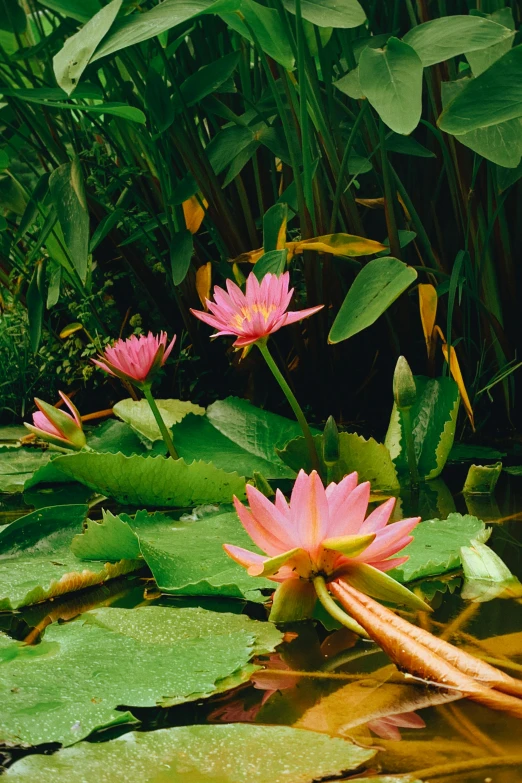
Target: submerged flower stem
[334,610]
[161,424]
[287,391]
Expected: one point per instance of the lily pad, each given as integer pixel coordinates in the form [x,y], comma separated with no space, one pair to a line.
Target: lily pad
[151,481]
[230,753]
[72,682]
[434,417]
[369,458]
[461,452]
[36,562]
[185,557]
[17,465]
[138,415]
[436,545]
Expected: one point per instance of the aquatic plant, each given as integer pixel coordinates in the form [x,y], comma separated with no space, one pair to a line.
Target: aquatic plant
[56,426]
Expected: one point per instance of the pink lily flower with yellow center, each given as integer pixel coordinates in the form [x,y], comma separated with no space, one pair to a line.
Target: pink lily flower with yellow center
[57,426]
[323,533]
[255,314]
[136,359]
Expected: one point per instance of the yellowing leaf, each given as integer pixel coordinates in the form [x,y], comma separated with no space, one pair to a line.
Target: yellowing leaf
[428,312]
[371,203]
[457,375]
[338,245]
[204,282]
[194,212]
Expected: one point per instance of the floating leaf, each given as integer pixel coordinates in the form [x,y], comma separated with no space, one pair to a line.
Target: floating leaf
[370,459]
[231,753]
[375,288]
[391,80]
[140,657]
[18,465]
[434,417]
[482,479]
[167,545]
[37,563]
[436,545]
[151,481]
[138,415]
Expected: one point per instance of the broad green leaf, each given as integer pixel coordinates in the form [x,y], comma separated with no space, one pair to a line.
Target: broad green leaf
[370,459]
[267,27]
[375,288]
[436,545]
[158,101]
[391,79]
[482,479]
[151,481]
[493,97]
[12,17]
[50,95]
[139,416]
[406,145]
[226,145]
[441,39]
[68,194]
[486,576]
[18,465]
[104,227]
[81,10]
[37,563]
[274,227]
[273,262]
[70,62]
[181,251]
[350,84]
[138,657]
[343,14]
[434,417]
[502,143]
[481,59]
[167,545]
[35,300]
[207,80]
[140,26]
[230,753]
[514,470]
[235,435]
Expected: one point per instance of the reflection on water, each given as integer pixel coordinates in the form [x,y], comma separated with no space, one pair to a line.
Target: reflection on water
[343,686]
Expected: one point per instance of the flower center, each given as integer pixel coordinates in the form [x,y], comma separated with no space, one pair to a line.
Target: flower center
[248,312]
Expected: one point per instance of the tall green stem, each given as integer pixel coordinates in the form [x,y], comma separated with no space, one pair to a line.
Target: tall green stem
[161,424]
[334,610]
[287,391]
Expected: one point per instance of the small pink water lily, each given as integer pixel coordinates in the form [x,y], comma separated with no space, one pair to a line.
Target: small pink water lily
[57,426]
[323,533]
[136,359]
[388,726]
[253,315]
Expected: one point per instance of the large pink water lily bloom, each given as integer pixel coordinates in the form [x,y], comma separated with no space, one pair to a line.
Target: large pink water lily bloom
[253,315]
[137,358]
[322,532]
[57,426]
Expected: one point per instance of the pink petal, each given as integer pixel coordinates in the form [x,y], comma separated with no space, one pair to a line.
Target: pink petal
[168,349]
[260,535]
[242,556]
[379,517]
[209,319]
[309,507]
[389,541]
[350,514]
[388,565]
[72,408]
[298,315]
[337,493]
[270,518]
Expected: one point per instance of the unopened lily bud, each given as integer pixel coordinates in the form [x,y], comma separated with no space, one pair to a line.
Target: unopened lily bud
[262,485]
[331,447]
[404,389]
[57,426]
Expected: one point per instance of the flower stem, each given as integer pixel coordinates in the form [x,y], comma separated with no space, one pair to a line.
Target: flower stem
[161,424]
[287,391]
[334,610]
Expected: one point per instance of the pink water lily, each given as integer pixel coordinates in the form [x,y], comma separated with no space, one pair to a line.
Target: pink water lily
[137,358]
[57,426]
[253,315]
[323,532]
[388,726]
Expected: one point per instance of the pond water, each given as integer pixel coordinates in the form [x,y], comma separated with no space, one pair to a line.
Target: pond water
[335,683]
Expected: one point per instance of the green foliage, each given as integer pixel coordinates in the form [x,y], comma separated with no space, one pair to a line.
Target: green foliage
[140,658]
[486,576]
[138,415]
[434,418]
[436,546]
[151,481]
[234,752]
[482,479]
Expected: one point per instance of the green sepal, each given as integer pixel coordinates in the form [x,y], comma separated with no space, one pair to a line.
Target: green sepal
[273,564]
[71,431]
[379,585]
[351,546]
[294,600]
